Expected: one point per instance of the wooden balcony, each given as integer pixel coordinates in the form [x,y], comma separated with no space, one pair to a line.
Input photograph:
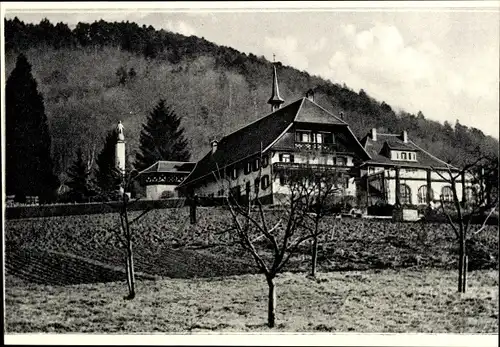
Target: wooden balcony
[314,146]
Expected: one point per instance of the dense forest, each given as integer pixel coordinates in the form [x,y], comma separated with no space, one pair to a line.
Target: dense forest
[96,74]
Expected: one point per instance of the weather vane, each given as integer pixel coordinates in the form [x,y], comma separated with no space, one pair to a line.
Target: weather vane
[274,58]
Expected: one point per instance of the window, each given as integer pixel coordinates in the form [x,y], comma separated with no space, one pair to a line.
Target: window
[447,193]
[404,194]
[234,173]
[319,138]
[248,168]
[256,184]
[403,156]
[397,155]
[470,195]
[283,180]
[256,164]
[286,158]
[346,184]
[340,161]
[422,195]
[265,161]
[265,182]
[247,188]
[303,136]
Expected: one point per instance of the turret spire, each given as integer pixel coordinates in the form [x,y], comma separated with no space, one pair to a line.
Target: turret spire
[275,100]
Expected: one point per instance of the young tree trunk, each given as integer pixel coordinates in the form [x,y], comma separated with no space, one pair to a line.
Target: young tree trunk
[314,254]
[464,273]
[271,310]
[130,271]
[461,255]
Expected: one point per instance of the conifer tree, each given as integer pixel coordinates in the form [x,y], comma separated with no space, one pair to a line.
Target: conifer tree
[29,167]
[79,178]
[106,174]
[162,138]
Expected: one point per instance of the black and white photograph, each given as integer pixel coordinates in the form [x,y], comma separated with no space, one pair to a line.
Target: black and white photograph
[244,173]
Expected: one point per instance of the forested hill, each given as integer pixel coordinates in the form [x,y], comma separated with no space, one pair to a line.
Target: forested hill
[96,74]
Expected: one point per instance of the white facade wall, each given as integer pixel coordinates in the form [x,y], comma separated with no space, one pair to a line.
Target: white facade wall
[313,159]
[414,179]
[226,183]
[155,191]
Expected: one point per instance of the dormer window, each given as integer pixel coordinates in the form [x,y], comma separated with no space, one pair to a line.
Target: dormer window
[403,155]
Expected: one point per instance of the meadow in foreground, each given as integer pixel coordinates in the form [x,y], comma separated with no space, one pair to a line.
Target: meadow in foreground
[371,301]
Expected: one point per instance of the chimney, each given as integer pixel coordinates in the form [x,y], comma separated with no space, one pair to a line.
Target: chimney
[342,115]
[373,134]
[404,136]
[214,144]
[310,94]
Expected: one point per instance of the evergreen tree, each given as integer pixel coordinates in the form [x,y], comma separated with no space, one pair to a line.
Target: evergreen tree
[79,178]
[29,168]
[106,174]
[161,138]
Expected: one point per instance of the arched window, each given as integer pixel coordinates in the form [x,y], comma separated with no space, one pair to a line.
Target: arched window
[422,194]
[447,193]
[404,194]
[470,195]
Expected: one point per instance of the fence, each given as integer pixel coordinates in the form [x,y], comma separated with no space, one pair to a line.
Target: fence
[30,211]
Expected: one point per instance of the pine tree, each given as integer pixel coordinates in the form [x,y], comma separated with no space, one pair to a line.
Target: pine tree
[29,167]
[106,174]
[79,178]
[161,138]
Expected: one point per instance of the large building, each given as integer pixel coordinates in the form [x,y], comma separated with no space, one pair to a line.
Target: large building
[256,158]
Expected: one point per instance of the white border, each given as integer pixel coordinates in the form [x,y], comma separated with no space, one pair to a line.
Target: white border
[296,339]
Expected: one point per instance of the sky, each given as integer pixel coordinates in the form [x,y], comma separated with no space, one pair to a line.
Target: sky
[438,58]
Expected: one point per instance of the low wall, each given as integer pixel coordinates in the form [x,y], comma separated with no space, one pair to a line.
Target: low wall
[20,212]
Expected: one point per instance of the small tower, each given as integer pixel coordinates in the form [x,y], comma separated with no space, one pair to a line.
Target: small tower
[120,149]
[275,100]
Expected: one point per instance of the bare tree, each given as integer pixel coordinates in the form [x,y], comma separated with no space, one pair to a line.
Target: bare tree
[125,233]
[467,208]
[318,186]
[270,239]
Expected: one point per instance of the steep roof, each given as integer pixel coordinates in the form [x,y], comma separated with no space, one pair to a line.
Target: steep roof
[170,166]
[247,141]
[393,141]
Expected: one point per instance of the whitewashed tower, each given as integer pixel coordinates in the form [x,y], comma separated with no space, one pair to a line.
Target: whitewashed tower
[120,149]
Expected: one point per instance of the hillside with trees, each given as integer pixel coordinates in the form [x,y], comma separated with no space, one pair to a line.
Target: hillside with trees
[97,74]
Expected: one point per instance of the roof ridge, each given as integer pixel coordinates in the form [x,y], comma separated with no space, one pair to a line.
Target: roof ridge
[176,161]
[324,109]
[194,168]
[149,167]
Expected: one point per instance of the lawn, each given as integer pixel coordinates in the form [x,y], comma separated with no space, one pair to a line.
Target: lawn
[377,301]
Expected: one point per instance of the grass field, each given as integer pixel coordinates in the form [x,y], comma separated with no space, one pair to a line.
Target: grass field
[370,301]
[66,274]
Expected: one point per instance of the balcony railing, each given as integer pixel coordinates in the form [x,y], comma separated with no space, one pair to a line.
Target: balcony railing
[318,167]
[314,146]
